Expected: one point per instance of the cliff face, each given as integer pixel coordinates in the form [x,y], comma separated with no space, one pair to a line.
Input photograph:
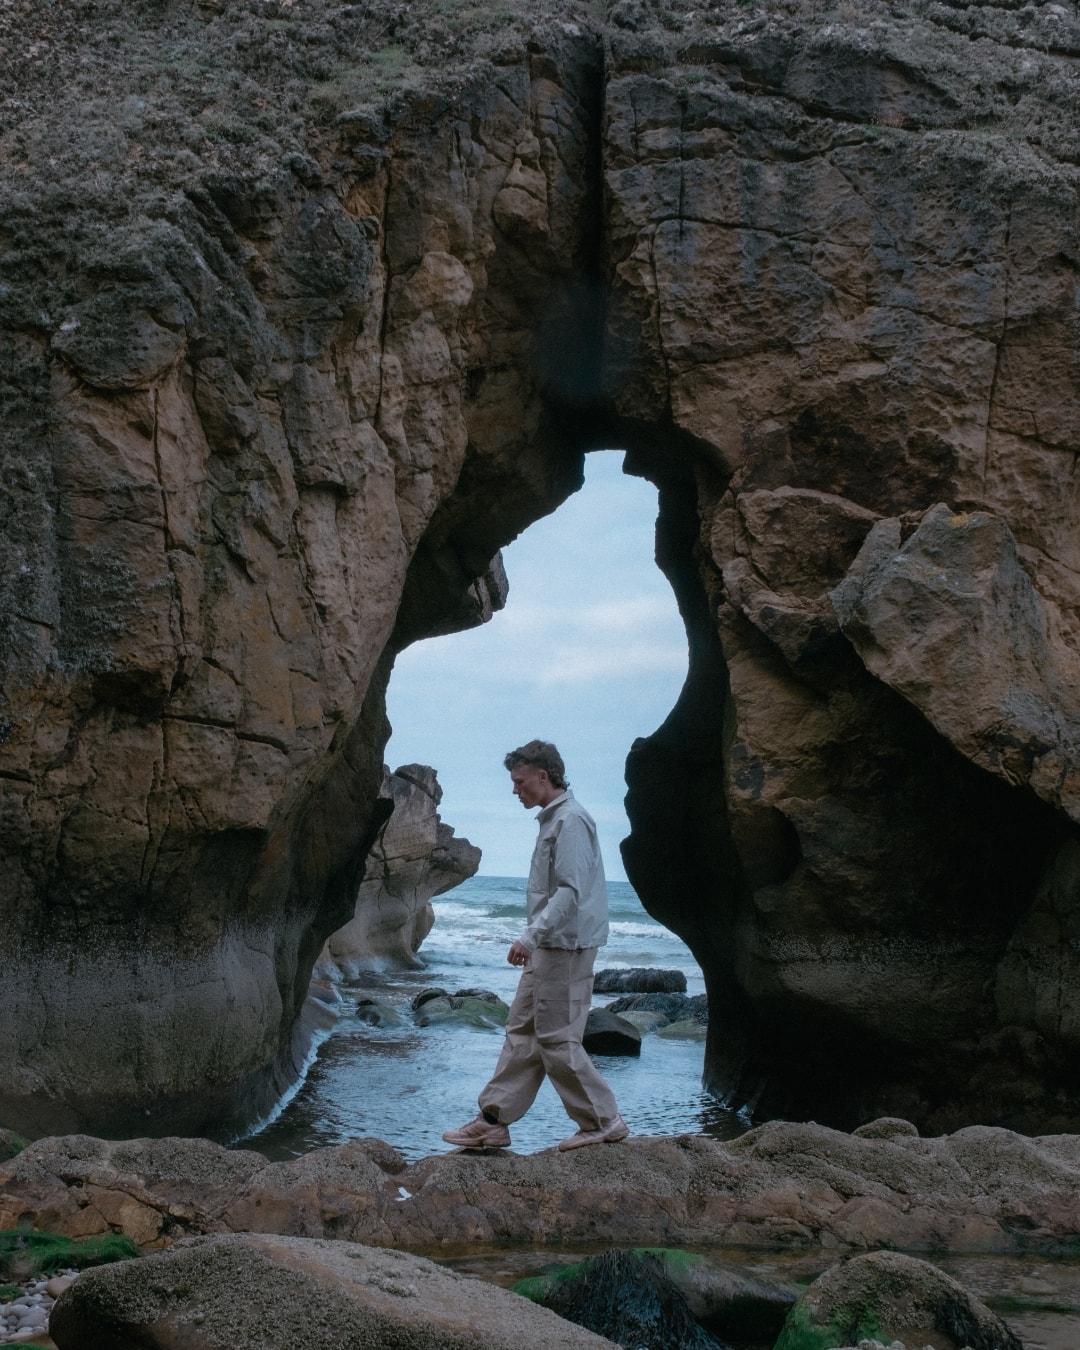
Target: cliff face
[284,370]
[271,416]
[844,265]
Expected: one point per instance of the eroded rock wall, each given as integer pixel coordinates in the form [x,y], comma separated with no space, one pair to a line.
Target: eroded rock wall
[222,499]
[837,268]
[284,371]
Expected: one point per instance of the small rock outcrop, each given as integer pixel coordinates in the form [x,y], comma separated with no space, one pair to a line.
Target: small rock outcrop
[668,1007]
[885,1295]
[248,1292]
[414,858]
[606,1033]
[727,1301]
[639,980]
[629,1298]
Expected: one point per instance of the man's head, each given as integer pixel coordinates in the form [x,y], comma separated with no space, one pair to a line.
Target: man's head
[537,773]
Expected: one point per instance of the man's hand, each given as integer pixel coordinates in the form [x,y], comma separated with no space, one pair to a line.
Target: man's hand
[519,954]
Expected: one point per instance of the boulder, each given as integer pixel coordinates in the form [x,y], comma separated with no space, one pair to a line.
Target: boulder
[885,1295]
[626,1296]
[469,1011]
[414,858]
[425,995]
[725,1300]
[684,1029]
[608,1034]
[644,1021]
[249,1292]
[674,1007]
[374,1012]
[639,980]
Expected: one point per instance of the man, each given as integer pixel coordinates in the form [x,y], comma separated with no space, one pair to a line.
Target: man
[566,911]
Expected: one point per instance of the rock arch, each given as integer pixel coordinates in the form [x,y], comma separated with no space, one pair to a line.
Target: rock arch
[280,420]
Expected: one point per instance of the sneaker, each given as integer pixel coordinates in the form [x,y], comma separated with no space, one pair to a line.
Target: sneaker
[479,1133]
[607,1134]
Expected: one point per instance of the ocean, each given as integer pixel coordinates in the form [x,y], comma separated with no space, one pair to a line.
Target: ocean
[407,1084]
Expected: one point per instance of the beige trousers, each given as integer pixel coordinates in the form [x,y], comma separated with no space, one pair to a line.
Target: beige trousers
[543,1037]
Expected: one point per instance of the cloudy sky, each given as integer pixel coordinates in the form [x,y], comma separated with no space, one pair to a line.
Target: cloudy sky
[589,653]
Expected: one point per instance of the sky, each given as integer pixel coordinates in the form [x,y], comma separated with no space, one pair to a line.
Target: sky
[589,652]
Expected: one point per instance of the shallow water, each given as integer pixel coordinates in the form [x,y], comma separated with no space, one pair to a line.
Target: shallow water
[408,1084]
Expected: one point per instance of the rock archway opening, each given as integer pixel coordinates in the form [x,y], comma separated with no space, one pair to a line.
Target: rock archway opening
[590,651]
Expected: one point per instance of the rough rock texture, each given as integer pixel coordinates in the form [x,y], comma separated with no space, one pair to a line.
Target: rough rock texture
[414,858]
[630,1298]
[306,310]
[726,1300]
[886,1295]
[639,981]
[782,1185]
[274,401]
[844,271]
[262,1293]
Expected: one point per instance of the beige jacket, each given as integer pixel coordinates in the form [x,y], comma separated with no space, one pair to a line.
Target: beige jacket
[566,903]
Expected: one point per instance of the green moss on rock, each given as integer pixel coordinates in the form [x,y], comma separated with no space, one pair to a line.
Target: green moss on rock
[26,1252]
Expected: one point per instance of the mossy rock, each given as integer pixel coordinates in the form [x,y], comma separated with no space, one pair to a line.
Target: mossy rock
[627,1296]
[802,1332]
[26,1252]
[885,1295]
[10,1144]
[469,1012]
[727,1301]
[10,1291]
[686,1029]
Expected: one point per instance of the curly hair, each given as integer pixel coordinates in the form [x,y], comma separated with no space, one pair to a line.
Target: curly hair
[539,755]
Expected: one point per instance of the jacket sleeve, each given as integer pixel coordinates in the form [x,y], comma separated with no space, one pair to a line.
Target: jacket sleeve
[556,924]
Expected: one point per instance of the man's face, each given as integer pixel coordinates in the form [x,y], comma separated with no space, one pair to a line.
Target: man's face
[532,786]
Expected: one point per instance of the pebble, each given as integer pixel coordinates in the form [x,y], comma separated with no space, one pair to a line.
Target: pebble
[28,1315]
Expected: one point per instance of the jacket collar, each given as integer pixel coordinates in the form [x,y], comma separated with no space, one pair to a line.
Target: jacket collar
[545,811]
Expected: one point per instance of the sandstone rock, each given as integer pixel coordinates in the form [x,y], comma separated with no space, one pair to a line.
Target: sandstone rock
[639,981]
[289,351]
[231,449]
[949,618]
[414,858]
[887,1294]
[269,1292]
[608,1034]
[980,1190]
[823,389]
